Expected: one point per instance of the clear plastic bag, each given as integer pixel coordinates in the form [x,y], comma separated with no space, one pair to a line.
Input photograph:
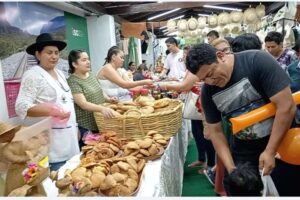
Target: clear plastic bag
[190,110]
[269,186]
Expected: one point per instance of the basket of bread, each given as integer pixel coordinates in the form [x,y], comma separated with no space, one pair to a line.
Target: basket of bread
[134,119]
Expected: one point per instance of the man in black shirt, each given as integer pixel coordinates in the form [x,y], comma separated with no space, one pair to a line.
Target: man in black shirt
[236,84]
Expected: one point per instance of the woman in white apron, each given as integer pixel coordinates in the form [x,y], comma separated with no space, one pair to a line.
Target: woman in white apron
[43,88]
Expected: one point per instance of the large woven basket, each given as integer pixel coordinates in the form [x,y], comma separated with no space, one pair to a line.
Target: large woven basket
[166,121]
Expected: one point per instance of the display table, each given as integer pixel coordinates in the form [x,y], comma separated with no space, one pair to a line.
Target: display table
[161,177]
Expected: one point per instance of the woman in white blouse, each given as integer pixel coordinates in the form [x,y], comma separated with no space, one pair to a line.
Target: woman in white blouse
[112,82]
[44,89]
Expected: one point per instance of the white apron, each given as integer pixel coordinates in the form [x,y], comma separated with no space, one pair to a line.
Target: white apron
[63,140]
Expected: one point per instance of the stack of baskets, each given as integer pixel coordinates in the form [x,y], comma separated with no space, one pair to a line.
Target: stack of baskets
[166,121]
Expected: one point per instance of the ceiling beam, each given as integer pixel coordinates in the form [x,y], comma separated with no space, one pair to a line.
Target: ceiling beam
[137,17]
[94,7]
[154,7]
[274,7]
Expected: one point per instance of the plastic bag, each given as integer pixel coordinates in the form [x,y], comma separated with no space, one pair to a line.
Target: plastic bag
[269,186]
[190,110]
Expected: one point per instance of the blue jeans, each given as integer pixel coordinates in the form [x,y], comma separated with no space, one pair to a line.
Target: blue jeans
[56,166]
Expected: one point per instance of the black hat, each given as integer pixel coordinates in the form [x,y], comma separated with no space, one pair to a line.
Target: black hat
[45,39]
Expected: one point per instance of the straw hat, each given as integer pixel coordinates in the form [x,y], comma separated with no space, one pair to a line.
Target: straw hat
[201,22]
[236,16]
[181,34]
[7,132]
[192,24]
[171,25]
[225,30]
[260,10]
[250,16]
[212,21]
[223,18]
[182,25]
[193,33]
[236,28]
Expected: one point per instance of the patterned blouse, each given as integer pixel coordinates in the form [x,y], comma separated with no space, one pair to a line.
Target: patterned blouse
[34,90]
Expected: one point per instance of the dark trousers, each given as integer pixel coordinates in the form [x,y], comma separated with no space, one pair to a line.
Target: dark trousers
[56,166]
[204,146]
[286,178]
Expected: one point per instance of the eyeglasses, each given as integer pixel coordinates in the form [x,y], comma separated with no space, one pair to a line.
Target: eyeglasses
[226,50]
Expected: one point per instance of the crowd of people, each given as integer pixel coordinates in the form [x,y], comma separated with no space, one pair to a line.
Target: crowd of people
[232,76]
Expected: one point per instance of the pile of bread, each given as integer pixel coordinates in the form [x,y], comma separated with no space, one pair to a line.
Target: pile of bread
[112,177]
[112,166]
[152,145]
[109,146]
[142,105]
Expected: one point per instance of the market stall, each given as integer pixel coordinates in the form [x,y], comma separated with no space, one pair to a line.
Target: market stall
[161,177]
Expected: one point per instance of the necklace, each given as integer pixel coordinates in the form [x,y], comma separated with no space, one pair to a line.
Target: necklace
[62,86]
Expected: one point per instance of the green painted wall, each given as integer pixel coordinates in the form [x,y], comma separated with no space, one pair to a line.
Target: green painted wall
[76,32]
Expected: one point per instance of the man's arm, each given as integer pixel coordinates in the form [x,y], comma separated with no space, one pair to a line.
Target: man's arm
[221,145]
[285,112]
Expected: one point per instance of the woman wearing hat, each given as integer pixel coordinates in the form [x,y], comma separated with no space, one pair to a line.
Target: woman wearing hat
[44,92]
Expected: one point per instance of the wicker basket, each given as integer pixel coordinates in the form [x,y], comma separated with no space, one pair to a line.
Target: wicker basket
[166,121]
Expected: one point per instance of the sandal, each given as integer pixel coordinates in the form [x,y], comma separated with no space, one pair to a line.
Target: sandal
[197,164]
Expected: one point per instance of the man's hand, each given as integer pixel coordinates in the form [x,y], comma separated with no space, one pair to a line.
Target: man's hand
[267,162]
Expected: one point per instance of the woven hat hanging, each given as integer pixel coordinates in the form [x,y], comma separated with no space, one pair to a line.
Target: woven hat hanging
[171,25]
[225,30]
[223,19]
[182,25]
[236,16]
[201,22]
[260,11]
[235,28]
[212,21]
[250,16]
[192,24]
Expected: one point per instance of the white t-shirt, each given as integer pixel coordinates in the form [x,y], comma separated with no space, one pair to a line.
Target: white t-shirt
[175,63]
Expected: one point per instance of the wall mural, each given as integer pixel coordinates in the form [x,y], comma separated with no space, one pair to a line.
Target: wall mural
[20,24]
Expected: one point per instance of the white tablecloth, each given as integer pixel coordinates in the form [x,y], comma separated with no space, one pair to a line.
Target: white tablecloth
[161,177]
